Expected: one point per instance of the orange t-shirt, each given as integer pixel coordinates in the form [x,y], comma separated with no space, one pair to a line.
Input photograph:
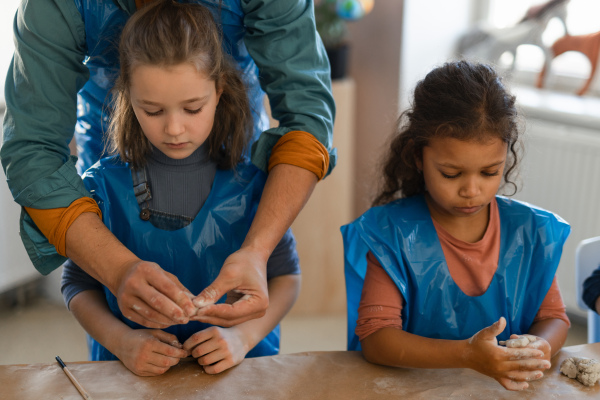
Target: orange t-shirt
[472,267]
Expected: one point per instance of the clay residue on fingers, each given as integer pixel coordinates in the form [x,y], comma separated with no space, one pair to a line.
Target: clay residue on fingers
[209,298]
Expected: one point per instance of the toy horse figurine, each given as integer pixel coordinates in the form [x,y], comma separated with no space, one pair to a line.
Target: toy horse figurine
[589,45]
[490,43]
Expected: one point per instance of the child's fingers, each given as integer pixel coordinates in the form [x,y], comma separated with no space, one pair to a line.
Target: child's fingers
[203,349]
[218,367]
[167,350]
[524,353]
[198,338]
[524,376]
[166,344]
[161,359]
[540,344]
[152,364]
[513,385]
[530,364]
[213,356]
[167,338]
[150,370]
[490,332]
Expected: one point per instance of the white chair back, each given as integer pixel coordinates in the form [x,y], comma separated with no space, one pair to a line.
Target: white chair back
[587,259]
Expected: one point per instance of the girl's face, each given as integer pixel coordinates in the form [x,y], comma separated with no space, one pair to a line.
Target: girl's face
[462,177]
[175,107]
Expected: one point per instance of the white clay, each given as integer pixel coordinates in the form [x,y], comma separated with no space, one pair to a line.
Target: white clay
[521,341]
[585,370]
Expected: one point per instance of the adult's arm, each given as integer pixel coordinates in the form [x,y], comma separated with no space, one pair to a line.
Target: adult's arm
[294,72]
[44,77]
[41,89]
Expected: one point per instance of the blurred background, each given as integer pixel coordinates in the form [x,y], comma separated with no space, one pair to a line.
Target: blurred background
[377,55]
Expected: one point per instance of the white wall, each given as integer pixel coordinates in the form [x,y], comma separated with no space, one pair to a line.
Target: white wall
[429,33]
[430,30]
[15,267]
[7,13]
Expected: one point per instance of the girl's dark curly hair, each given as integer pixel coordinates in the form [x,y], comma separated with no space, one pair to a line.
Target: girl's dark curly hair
[461,100]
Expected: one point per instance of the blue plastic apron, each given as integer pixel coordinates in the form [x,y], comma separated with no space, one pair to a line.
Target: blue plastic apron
[104,21]
[194,253]
[403,238]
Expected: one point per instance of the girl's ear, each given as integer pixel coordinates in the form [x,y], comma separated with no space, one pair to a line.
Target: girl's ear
[219,89]
[418,157]
[419,163]
[219,93]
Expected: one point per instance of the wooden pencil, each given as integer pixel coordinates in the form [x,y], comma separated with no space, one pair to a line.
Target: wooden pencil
[75,382]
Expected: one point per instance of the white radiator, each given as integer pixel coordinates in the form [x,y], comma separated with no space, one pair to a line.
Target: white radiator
[561,173]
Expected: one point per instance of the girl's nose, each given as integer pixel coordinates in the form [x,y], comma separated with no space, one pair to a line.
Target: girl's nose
[469,188]
[174,126]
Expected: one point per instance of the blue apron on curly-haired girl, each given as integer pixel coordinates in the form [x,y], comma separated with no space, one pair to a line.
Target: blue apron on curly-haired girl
[402,237]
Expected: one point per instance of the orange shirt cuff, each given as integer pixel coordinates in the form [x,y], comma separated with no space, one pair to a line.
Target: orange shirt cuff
[55,222]
[302,150]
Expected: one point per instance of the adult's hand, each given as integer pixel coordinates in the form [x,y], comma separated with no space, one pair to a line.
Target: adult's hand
[243,275]
[243,279]
[152,297]
[145,292]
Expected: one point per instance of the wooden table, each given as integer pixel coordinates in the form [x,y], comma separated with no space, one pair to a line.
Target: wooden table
[315,375]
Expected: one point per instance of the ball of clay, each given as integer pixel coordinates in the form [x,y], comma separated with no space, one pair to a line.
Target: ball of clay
[520,341]
[585,370]
[569,368]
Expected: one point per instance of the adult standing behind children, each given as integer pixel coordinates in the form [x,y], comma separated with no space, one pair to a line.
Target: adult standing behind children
[64,65]
[441,265]
[179,192]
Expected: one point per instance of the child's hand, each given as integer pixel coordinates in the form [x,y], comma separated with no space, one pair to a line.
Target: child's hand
[150,352]
[511,367]
[536,342]
[216,348]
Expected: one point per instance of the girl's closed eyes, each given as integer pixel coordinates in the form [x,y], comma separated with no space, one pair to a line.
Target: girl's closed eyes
[159,112]
[484,173]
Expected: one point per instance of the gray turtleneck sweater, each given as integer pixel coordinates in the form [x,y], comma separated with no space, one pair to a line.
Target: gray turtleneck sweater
[181,187]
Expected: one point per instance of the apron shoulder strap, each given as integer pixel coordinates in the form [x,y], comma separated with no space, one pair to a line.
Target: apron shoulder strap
[140,185]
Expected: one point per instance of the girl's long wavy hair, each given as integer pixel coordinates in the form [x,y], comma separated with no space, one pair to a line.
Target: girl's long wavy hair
[462,100]
[165,34]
